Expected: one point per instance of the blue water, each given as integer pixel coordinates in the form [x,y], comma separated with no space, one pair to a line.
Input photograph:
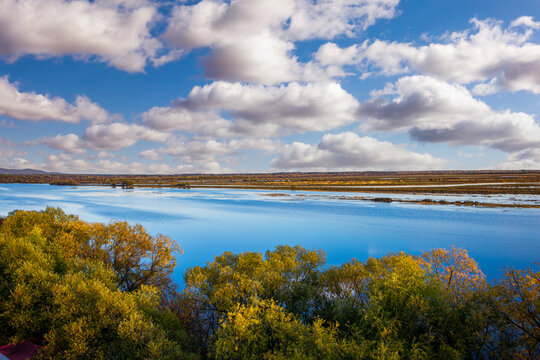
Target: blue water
[207,222]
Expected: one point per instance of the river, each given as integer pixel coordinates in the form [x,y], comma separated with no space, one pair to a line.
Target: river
[207,222]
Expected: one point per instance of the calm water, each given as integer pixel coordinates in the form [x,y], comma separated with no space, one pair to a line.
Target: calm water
[207,222]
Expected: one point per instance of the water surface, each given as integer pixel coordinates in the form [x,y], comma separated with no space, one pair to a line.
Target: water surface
[207,222]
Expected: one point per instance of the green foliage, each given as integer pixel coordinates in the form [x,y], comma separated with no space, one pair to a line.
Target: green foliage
[136,257]
[518,302]
[285,275]
[72,303]
[437,305]
[264,330]
[101,291]
[128,184]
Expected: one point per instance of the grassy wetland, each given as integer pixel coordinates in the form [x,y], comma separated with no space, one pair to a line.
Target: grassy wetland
[426,185]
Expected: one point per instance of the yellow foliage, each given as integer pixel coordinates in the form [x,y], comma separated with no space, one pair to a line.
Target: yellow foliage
[455,268]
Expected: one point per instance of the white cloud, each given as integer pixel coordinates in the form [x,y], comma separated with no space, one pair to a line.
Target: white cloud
[66,163]
[209,151]
[197,151]
[116,136]
[421,101]
[328,19]
[35,107]
[111,31]
[151,154]
[69,143]
[8,150]
[211,167]
[21,163]
[498,58]
[470,155]
[257,110]
[101,155]
[267,146]
[203,123]
[112,136]
[348,151]
[253,40]
[435,111]
[523,160]
[527,22]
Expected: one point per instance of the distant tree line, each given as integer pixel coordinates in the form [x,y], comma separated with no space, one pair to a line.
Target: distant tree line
[91,290]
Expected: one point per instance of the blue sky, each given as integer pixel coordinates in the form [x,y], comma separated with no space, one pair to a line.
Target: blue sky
[138,86]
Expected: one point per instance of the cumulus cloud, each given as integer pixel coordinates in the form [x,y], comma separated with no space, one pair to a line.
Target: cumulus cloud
[116,136]
[523,160]
[253,40]
[420,101]
[112,31]
[69,143]
[489,55]
[197,151]
[35,107]
[209,151]
[9,149]
[257,110]
[68,164]
[325,19]
[435,111]
[347,151]
[112,136]
[267,146]
[526,21]
[174,118]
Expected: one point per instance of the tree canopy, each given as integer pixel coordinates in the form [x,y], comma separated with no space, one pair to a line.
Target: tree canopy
[90,290]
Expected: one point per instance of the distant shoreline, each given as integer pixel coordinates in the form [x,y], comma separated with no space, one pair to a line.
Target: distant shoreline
[426,184]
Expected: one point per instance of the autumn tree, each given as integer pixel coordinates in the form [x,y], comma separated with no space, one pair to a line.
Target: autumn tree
[74,307]
[240,279]
[97,290]
[136,257]
[455,268]
[264,330]
[517,296]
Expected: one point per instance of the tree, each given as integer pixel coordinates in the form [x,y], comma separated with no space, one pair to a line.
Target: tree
[264,330]
[73,307]
[104,290]
[455,268]
[128,184]
[136,257]
[231,280]
[518,302]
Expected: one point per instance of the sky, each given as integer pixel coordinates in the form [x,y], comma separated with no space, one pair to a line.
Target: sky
[214,86]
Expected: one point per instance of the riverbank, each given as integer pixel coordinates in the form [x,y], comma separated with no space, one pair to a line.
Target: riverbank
[420,201]
[428,183]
